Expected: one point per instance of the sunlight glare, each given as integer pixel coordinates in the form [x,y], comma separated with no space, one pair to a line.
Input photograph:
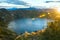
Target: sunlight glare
[58,9]
[43,15]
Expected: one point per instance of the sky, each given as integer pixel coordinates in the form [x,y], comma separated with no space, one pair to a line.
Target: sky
[29,3]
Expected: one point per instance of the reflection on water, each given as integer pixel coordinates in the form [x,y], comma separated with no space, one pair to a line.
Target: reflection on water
[27,24]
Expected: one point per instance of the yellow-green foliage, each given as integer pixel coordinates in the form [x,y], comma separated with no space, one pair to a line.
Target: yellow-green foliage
[6,34]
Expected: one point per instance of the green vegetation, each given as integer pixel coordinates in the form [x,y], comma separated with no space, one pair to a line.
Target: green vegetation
[6,34]
[52,32]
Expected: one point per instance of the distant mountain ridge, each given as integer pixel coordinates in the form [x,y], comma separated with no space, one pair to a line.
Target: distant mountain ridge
[30,8]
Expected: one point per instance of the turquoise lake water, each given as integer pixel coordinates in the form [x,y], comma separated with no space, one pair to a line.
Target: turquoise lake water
[27,24]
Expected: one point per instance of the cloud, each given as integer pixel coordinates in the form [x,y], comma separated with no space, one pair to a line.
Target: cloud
[7,5]
[42,3]
[28,3]
[13,4]
[17,2]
